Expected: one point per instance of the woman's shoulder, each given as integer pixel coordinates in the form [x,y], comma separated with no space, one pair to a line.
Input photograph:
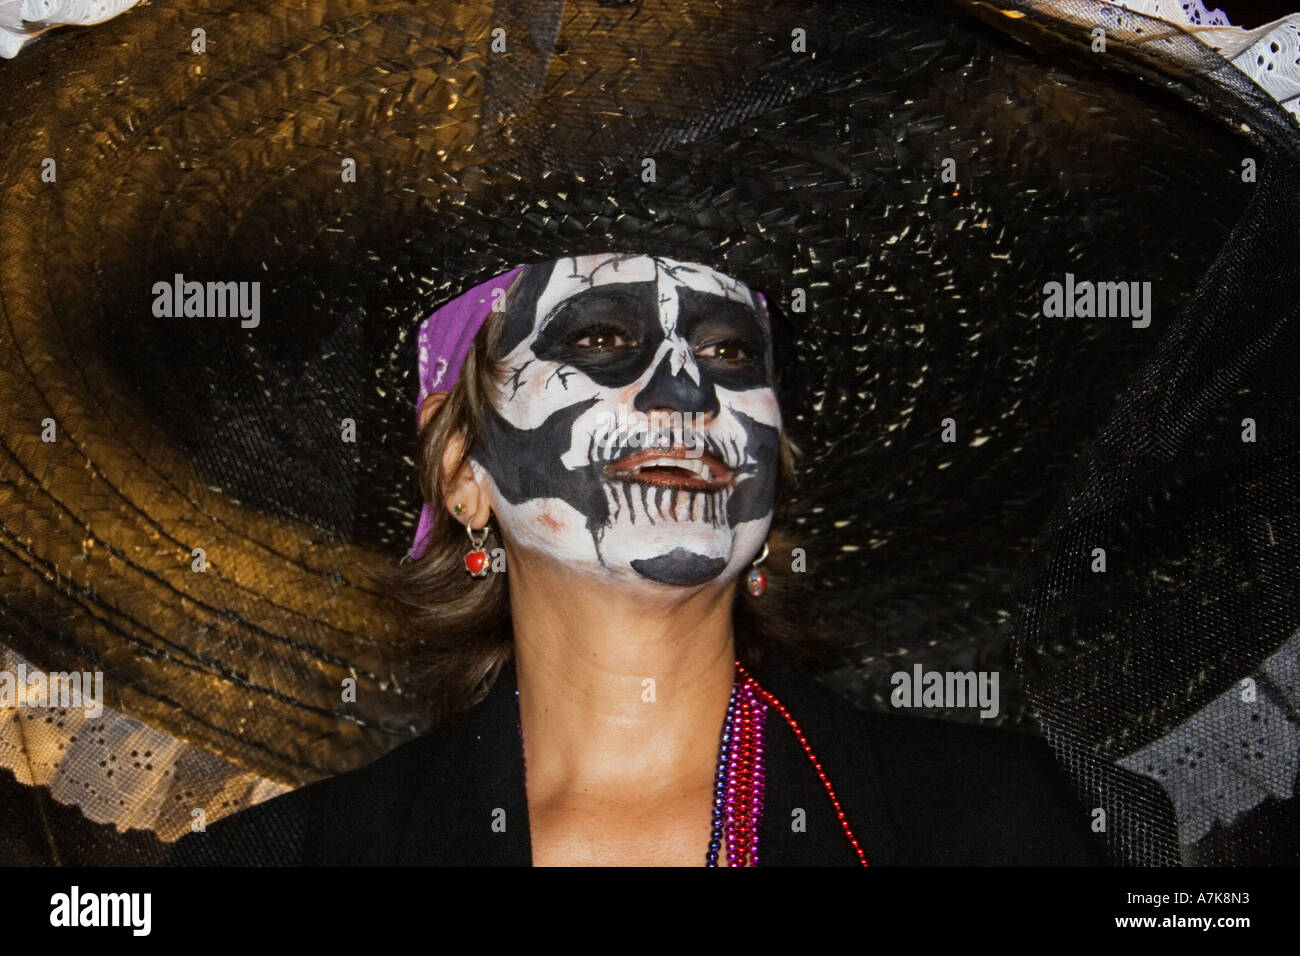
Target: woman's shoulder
[973,794]
[939,792]
[453,795]
[347,818]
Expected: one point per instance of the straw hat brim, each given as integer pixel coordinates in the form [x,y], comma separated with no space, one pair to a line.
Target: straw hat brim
[814,178]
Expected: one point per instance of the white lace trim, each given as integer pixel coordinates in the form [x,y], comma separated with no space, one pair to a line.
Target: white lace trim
[119,770]
[22,21]
[1269,55]
[1231,755]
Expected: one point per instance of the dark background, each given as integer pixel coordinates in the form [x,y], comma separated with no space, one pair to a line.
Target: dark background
[1254,13]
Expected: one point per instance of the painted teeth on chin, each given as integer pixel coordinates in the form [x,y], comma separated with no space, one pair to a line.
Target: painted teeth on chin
[627,493]
[713,510]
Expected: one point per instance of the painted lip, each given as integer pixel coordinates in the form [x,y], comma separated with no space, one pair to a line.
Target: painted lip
[649,467]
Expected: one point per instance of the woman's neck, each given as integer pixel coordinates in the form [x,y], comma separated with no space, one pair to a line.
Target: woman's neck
[613,683]
[622,691]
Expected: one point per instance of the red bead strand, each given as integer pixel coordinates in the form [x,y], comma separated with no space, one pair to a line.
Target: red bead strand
[740,838]
[821,774]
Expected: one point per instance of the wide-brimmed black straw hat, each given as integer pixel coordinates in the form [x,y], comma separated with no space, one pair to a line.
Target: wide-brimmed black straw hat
[904,182]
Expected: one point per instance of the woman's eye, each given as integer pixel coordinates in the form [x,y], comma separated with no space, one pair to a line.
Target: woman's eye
[730,352]
[603,340]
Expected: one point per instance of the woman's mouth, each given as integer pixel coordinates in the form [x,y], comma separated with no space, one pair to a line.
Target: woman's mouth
[671,468]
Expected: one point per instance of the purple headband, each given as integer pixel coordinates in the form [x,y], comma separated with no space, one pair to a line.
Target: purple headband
[444,342]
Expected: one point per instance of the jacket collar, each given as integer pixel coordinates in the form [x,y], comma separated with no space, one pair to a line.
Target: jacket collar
[470,805]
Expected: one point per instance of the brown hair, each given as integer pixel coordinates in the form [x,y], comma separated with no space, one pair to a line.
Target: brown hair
[458,631]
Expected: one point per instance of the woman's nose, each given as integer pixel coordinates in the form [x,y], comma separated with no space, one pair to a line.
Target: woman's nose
[677,393]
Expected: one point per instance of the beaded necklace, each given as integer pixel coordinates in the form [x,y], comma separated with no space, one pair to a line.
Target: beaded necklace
[738,786]
[740,782]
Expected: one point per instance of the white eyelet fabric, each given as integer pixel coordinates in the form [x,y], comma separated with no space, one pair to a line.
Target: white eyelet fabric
[1269,54]
[119,770]
[21,21]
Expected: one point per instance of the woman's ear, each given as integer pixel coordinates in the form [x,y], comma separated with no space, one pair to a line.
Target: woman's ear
[463,483]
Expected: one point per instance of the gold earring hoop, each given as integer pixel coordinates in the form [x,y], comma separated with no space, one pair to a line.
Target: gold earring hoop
[481,532]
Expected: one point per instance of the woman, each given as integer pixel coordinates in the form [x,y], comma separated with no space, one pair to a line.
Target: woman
[616,423]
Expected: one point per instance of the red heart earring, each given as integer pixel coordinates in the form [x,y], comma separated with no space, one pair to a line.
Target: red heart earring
[476,562]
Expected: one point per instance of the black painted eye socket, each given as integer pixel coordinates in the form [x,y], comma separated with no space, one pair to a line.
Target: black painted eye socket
[602,338]
[730,353]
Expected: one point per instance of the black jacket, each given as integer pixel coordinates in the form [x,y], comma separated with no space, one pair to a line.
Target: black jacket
[916,791]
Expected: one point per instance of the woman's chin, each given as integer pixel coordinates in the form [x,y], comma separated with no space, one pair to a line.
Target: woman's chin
[678,557]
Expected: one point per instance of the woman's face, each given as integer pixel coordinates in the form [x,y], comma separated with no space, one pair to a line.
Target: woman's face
[637,435]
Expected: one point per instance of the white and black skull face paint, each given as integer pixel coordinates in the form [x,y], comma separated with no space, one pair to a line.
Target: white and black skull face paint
[638,432]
